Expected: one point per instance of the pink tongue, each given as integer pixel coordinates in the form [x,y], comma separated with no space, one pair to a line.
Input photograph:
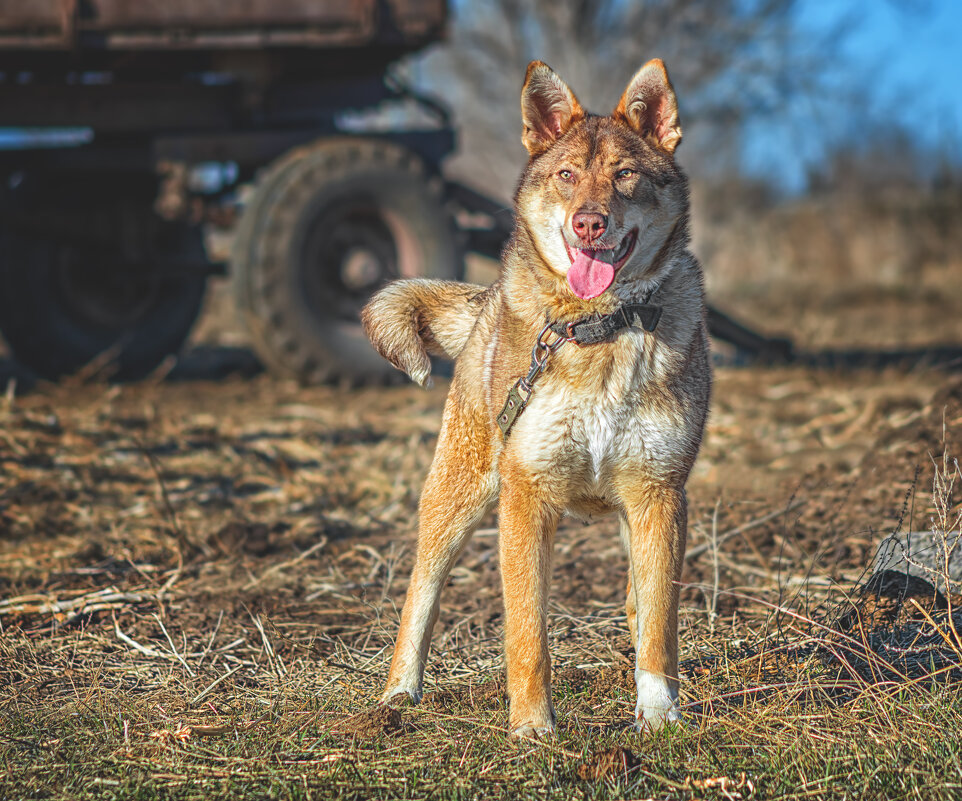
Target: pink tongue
[588,277]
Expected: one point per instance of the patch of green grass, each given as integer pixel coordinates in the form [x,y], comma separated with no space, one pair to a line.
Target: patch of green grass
[880,745]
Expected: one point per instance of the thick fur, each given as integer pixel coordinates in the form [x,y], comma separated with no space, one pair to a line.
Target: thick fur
[613,427]
[408,320]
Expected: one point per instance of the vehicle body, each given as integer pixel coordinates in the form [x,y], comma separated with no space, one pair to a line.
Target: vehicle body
[134,123]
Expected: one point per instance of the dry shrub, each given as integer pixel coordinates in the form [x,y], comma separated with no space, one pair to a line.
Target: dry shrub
[803,264]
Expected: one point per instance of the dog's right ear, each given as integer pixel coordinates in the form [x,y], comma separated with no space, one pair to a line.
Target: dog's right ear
[548,108]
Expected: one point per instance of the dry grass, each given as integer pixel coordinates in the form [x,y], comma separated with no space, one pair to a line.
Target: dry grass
[199,587]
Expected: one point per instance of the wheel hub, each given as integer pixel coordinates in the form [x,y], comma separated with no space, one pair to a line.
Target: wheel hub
[102,292]
[349,252]
[361,269]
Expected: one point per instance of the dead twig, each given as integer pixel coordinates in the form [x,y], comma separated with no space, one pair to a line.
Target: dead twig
[700,549]
[137,646]
[206,691]
[66,612]
[173,648]
[289,563]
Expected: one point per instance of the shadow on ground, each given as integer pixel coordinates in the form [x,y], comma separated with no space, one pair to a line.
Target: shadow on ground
[204,362]
[216,362]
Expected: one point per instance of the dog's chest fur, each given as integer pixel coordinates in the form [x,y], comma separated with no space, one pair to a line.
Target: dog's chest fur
[592,415]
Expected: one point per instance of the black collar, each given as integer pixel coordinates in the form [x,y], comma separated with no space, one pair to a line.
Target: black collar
[594,329]
[589,331]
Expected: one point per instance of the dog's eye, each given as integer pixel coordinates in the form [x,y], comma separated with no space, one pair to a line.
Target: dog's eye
[624,174]
[565,175]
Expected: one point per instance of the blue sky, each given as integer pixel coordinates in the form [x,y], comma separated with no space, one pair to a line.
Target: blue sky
[912,46]
[907,54]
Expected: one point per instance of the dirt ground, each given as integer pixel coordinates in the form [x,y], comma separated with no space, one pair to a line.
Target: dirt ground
[302,501]
[252,536]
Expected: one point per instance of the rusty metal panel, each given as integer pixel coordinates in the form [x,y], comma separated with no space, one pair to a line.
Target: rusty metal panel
[19,15]
[37,23]
[418,17]
[109,15]
[216,24]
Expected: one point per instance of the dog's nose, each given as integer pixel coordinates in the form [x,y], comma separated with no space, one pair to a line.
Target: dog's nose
[588,226]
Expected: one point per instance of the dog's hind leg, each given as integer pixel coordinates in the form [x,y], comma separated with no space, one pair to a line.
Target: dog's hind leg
[460,489]
[654,527]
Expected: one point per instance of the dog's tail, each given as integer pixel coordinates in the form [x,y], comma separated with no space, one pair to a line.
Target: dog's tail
[409,319]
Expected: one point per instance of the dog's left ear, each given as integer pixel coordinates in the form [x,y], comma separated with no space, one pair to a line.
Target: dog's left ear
[548,108]
[650,107]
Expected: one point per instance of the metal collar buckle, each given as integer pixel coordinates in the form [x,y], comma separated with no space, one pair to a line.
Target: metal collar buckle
[521,392]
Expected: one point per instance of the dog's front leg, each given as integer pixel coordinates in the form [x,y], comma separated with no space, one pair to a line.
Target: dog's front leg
[460,489]
[527,527]
[654,527]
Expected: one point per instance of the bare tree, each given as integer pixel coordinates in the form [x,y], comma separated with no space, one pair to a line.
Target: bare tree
[728,59]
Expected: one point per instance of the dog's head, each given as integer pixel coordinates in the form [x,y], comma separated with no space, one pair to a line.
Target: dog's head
[601,196]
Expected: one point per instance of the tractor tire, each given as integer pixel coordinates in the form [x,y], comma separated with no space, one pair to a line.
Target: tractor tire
[326,226]
[64,307]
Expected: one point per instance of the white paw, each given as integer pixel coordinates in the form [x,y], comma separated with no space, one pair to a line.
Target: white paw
[652,720]
[657,704]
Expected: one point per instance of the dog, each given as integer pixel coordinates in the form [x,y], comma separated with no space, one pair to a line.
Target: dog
[581,386]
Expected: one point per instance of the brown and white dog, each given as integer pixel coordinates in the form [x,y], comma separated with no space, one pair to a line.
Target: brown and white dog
[601,243]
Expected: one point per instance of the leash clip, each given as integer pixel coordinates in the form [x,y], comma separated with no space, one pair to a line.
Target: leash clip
[520,393]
